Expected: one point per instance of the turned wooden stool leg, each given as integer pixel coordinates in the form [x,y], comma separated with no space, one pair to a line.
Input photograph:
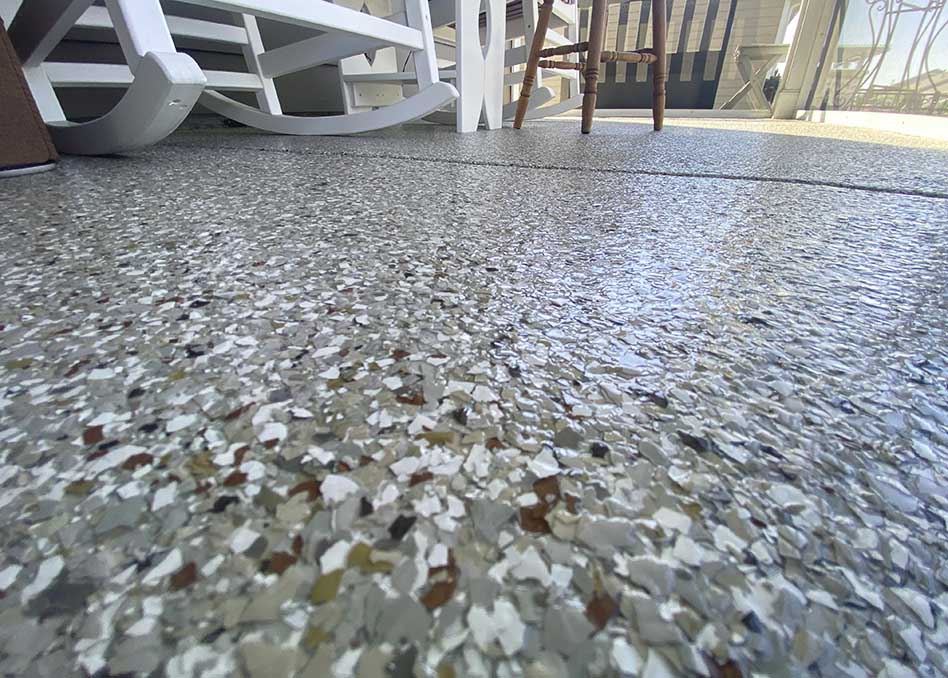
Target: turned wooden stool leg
[597,38]
[530,74]
[660,67]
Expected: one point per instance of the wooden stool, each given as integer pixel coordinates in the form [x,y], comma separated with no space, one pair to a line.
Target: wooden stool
[594,56]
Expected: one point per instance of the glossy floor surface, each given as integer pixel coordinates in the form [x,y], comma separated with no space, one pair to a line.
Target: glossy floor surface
[513,404]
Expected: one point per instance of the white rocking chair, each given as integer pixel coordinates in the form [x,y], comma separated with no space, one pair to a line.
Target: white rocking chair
[480,73]
[163,84]
[476,70]
[162,91]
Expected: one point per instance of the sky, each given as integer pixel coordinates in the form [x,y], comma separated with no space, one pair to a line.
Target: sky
[856,31]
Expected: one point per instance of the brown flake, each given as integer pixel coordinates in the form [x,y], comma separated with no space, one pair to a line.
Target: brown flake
[92,435]
[533,518]
[444,582]
[410,397]
[439,593]
[600,610]
[175,299]
[184,577]
[418,478]
[548,490]
[729,669]
[136,460]
[235,414]
[297,545]
[240,454]
[399,354]
[74,370]
[234,479]
[494,444]
[310,487]
[280,562]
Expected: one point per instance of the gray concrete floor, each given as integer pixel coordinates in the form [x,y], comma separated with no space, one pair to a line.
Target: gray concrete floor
[415,403]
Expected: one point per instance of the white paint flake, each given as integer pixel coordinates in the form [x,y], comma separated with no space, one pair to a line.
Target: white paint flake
[48,570]
[273,430]
[626,657]
[544,464]
[181,422]
[336,488]
[483,394]
[530,565]
[168,566]
[242,539]
[8,575]
[164,496]
[335,557]
[405,466]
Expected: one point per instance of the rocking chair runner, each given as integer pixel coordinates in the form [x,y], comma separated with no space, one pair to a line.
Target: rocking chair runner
[594,56]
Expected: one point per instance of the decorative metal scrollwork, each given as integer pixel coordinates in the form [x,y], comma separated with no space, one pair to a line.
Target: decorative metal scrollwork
[922,86]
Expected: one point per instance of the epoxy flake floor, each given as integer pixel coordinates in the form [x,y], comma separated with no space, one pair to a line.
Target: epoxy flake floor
[416,404]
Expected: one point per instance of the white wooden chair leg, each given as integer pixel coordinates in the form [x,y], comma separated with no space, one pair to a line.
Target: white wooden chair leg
[267,98]
[8,8]
[470,65]
[426,61]
[477,64]
[141,28]
[43,94]
[40,25]
[480,68]
[494,64]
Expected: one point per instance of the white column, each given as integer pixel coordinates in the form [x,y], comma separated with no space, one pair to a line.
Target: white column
[816,17]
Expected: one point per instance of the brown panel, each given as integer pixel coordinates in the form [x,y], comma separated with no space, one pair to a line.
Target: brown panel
[24,139]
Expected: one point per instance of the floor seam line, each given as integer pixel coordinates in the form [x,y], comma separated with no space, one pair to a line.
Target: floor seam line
[602,170]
